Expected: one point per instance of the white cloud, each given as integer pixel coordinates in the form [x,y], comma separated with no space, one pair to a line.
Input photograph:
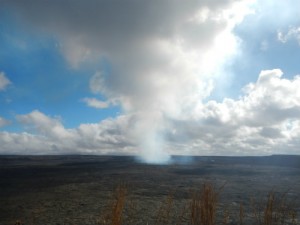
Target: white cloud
[4,81]
[3,122]
[95,103]
[97,83]
[292,33]
[49,127]
[47,135]
[265,120]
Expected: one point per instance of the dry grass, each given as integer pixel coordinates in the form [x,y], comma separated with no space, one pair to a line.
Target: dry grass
[269,211]
[276,210]
[114,212]
[118,205]
[203,205]
[202,209]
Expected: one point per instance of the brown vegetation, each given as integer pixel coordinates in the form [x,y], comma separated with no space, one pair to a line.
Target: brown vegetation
[203,209]
[204,206]
[275,210]
[113,215]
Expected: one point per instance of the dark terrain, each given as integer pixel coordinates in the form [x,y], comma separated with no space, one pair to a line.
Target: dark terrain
[76,189]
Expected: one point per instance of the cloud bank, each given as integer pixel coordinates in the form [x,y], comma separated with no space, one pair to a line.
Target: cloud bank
[265,120]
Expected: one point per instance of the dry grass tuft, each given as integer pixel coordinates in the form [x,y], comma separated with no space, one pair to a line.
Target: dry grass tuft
[203,206]
[269,211]
[114,213]
[276,210]
[118,205]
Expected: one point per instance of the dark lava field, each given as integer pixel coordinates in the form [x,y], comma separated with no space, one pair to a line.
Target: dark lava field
[59,190]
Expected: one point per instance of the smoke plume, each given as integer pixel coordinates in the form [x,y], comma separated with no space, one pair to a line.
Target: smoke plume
[159,58]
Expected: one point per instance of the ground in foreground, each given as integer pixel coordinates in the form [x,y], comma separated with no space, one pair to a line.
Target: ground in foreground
[77,189]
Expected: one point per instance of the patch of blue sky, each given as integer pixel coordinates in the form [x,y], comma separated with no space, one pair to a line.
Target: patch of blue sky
[42,79]
[261,50]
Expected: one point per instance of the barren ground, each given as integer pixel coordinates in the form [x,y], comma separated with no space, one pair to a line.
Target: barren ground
[77,189]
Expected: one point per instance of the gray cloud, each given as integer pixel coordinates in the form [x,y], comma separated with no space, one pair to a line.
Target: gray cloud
[270,132]
[3,122]
[4,81]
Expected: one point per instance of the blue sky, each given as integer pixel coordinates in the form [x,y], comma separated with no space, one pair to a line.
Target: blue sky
[149,78]
[42,79]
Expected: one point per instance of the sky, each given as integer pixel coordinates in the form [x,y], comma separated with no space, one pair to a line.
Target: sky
[150,78]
